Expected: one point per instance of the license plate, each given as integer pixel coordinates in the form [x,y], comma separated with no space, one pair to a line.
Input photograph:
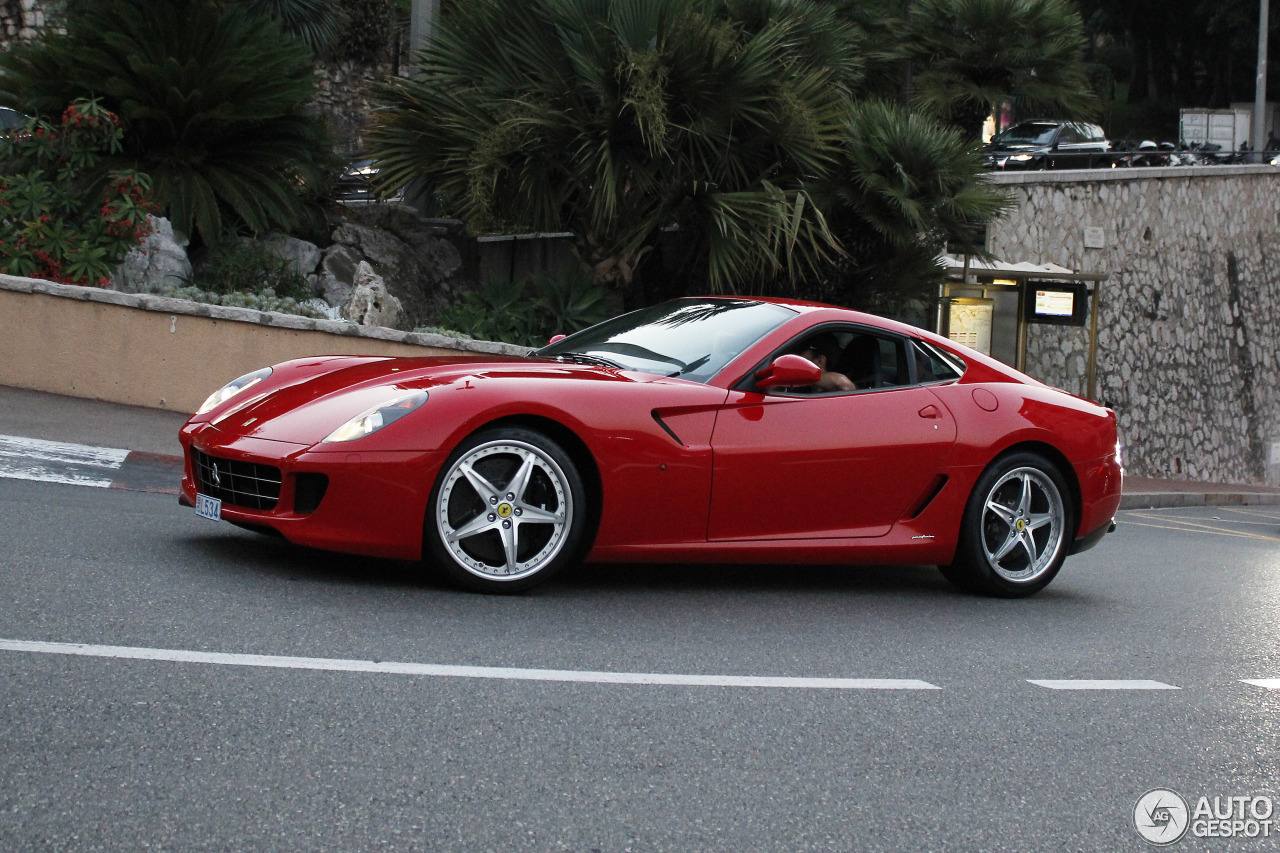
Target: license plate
[207,507]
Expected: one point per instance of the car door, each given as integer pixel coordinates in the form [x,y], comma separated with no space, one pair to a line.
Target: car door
[837,465]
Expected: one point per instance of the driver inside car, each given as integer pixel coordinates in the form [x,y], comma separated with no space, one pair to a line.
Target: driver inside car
[824,350]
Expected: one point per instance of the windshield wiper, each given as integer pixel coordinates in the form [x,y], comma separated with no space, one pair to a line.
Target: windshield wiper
[692,366]
[584,358]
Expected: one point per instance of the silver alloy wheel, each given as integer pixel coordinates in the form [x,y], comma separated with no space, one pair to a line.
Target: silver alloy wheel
[1023,525]
[504,510]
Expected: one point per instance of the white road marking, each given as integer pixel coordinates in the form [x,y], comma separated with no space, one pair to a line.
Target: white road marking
[501,672]
[58,461]
[1102,684]
[1268,683]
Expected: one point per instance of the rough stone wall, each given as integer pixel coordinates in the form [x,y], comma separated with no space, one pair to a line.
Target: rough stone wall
[1189,322]
[342,96]
[23,20]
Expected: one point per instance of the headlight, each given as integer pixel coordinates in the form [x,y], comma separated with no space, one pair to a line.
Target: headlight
[372,420]
[1021,158]
[232,388]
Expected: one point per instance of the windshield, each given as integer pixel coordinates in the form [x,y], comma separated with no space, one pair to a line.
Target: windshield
[689,338]
[1027,133]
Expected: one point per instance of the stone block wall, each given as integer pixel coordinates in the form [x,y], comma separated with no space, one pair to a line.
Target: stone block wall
[23,20]
[1189,323]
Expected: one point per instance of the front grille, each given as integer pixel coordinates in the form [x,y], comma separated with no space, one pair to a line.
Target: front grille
[243,484]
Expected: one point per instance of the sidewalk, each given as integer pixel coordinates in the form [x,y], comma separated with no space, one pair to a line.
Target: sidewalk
[33,414]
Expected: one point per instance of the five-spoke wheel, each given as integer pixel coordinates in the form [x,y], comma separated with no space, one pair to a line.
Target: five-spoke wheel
[1016,529]
[506,511]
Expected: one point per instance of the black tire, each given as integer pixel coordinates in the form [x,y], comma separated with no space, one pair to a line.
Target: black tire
[1016,530]
[507,511]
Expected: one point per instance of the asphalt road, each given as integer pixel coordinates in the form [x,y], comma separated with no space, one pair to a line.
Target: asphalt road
[160,734]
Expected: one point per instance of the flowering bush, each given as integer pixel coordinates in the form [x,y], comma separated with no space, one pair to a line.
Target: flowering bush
[63,215]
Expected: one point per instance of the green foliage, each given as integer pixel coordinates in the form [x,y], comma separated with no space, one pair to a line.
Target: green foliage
[906,189]
[910,179]
[213,101]
[507,311]
[968,55]
[494,311]
[316,22]
[614,120]
[243,273]
[1183,53]
[569,303]
[62,216]
[264,300]
[238,265]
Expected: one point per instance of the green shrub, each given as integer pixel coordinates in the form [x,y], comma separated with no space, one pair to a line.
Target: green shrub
[507,311]
[237,265]
[62,216]
[265,300]
[213,101]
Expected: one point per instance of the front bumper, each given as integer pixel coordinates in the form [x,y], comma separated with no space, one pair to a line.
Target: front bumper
[372,503]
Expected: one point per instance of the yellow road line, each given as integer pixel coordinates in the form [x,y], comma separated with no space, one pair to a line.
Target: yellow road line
[1192,527]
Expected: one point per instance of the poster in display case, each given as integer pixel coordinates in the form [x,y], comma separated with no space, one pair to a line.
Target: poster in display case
[970,322]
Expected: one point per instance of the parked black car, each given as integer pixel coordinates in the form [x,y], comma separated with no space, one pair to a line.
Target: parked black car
[1049,144]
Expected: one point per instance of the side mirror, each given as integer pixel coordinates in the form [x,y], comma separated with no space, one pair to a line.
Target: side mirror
[556,339]
[788,371]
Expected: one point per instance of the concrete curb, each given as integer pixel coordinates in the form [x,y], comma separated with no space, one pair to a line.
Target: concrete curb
[1164,500]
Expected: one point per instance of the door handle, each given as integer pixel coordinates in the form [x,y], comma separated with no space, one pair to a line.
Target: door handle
[931,412]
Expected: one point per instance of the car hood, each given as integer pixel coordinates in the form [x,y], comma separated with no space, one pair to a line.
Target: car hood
[303,402]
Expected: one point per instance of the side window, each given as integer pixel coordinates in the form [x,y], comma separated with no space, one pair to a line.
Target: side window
[852,359]
[873,361]
[1069,135]
[932,365]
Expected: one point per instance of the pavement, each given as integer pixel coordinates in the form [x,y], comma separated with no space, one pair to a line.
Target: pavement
[151,437]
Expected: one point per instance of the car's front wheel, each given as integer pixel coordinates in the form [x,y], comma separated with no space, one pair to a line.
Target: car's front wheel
[506,512]
[1016,529]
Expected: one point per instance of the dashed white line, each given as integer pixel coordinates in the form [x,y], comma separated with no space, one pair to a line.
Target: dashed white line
[1101,684]
[444,670]
[1268,683]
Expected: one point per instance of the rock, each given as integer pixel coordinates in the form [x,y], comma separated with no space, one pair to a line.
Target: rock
[418,264]
[302,255]
[337,274]
[369,303]
[158,260]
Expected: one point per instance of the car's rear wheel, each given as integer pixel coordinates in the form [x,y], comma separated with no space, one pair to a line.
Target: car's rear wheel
[1016,529]
[506,512]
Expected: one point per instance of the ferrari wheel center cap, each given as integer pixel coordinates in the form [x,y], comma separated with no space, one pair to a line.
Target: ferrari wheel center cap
[504,510]
[1020,524]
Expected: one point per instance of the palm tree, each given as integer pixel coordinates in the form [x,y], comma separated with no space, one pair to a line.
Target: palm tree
[904,190]
[970,55]
[615,119]
[213,100]
[316,22]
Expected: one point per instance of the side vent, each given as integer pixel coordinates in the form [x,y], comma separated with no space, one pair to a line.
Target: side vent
[658,420]
[932,492]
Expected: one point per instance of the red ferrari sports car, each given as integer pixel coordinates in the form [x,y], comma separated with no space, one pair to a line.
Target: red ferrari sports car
[695,430]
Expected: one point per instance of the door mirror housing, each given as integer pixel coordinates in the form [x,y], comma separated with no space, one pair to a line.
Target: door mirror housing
[788,371]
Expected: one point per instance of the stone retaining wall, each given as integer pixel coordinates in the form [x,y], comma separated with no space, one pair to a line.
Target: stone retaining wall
[146,350]
[1189,318]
